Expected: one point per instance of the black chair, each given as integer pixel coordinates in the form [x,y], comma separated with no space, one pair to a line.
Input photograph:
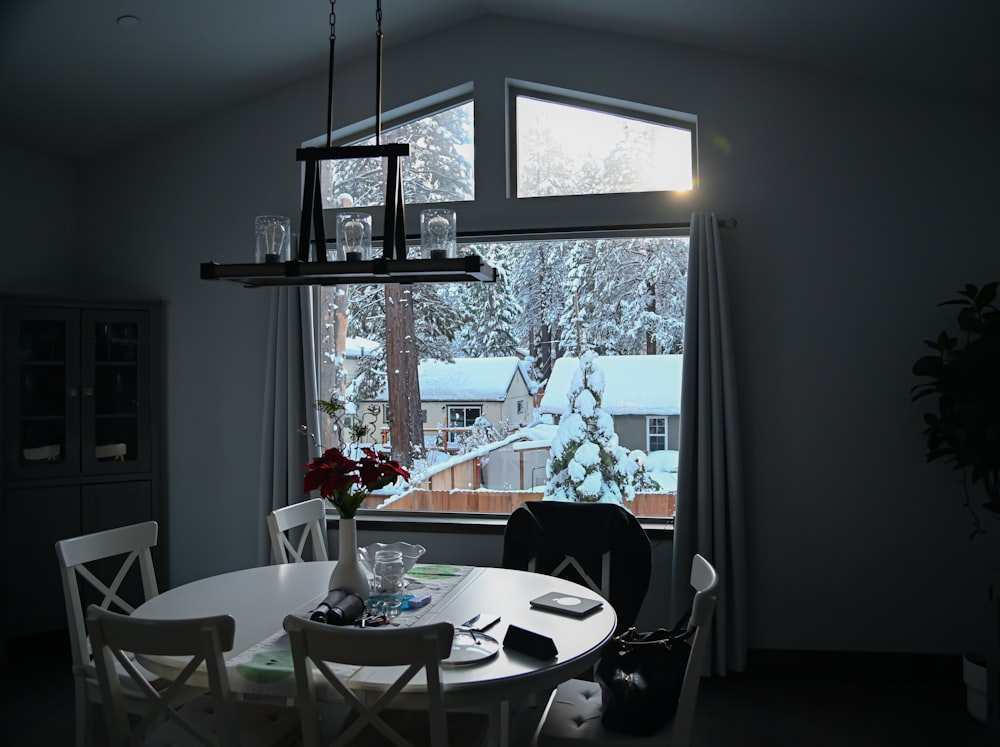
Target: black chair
[599,545]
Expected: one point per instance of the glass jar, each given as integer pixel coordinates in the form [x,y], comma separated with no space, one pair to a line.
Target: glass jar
[388,571]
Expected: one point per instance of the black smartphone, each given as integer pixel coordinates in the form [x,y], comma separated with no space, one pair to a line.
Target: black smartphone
[481,621]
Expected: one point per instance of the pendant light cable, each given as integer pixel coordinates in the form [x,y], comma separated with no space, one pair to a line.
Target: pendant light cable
[329,78]
[378,73]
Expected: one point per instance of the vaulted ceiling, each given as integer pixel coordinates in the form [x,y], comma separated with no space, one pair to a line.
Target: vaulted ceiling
[77,80]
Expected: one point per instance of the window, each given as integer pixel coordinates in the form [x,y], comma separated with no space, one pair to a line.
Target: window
[619,293]
[656,434]
[460,422]
[566,145]
[440,167]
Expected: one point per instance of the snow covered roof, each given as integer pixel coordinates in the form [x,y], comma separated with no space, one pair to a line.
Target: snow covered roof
[355,347]
[634,384]
[465,380]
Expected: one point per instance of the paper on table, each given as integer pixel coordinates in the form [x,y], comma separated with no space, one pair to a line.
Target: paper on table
[437,571]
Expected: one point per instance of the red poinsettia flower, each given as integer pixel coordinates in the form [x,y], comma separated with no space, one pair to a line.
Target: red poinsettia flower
[346,482]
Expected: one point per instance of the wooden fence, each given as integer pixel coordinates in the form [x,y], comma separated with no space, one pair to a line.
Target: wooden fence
[503,502]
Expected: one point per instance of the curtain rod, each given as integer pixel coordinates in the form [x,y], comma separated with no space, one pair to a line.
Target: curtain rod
[631,229]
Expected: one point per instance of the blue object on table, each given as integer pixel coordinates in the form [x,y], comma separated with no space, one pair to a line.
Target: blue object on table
[374,599]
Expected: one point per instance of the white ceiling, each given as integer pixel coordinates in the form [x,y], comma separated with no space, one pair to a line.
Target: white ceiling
[74,81]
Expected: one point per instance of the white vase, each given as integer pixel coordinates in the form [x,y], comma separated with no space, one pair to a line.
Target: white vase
[349,575]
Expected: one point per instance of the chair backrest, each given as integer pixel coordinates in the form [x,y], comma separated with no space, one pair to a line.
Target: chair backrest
[311,516]
[600,545]
[705,581]
[114,637]
[420,647]
[78,557]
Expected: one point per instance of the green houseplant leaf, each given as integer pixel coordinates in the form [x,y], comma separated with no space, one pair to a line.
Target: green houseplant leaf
[963,377]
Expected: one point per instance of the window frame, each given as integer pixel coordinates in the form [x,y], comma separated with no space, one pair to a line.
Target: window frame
[635,214]
[605,104]
[395,117]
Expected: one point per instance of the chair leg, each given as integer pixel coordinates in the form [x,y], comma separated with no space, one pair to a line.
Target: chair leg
[504,723]
[84,717]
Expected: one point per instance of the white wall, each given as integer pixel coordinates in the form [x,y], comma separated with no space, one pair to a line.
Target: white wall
[39,246]
[860,207]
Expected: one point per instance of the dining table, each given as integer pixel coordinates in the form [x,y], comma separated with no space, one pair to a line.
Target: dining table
[260,662]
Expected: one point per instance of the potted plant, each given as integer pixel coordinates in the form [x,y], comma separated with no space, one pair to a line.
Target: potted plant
[963,429]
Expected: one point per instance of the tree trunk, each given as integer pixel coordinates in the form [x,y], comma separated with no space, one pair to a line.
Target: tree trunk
[405,426]
[544,360]
[341,295]
[651,308]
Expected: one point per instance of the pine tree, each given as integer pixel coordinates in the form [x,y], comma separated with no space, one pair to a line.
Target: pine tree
[586,464]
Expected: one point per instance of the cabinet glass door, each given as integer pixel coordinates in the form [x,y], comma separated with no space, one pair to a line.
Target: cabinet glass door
[115,369]
[43,393]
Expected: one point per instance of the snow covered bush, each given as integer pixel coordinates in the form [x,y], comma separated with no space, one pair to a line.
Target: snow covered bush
[586,463]
[484,433]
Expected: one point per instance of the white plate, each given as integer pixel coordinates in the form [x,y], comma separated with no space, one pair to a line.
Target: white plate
[467,648]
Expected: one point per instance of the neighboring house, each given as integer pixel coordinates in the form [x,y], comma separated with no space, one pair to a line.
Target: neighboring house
[641,392]
[454,394]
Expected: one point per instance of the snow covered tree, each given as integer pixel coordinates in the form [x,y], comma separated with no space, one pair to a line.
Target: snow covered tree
[586,463]
[492,311]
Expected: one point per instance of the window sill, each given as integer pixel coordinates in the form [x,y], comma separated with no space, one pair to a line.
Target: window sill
[464,523]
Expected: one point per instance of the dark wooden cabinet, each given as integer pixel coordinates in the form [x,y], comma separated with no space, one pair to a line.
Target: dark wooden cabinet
[80,413]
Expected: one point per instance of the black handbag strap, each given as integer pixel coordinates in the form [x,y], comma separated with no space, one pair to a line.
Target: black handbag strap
[679,632]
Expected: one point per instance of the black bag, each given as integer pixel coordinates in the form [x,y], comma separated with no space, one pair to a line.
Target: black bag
[641,676]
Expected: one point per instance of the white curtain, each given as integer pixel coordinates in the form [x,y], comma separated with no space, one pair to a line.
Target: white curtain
[710,515]
[290,389]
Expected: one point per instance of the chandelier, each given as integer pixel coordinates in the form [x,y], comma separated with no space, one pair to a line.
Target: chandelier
[310,265]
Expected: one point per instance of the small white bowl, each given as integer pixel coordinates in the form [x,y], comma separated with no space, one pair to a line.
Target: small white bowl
[411,554]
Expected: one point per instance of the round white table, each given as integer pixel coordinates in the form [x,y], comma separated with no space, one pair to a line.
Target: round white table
[259,598]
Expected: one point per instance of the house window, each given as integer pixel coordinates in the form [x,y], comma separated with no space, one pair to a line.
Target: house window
[460,421]
[656,434]
[573,144]
[463,417]
[520,407]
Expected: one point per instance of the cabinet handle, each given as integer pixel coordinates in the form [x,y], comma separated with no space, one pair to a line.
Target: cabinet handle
[88,391]
[73,392]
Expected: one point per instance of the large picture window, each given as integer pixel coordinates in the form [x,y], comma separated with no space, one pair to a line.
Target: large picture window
[557,295]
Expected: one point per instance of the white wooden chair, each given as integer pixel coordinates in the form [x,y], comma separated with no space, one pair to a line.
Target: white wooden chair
[315,645]
[216,718]
[573,714]
[123,553]
[311,516]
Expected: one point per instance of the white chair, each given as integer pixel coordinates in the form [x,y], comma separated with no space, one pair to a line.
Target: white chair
[311,516]
[122,553]
[215,718]
[573,715]
[315,645]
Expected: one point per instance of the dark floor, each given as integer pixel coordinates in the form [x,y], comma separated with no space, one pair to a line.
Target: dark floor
[784,699]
